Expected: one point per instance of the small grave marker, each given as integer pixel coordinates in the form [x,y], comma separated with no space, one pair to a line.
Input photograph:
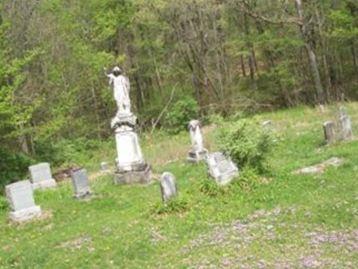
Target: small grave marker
[168,186]
[329,133]
[80,183]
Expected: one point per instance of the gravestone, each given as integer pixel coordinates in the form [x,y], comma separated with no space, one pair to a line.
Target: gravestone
[267,124]
[21,200]
[221,168]
[329,133]
[104,166]
[197,152]
[41,177]
[80,183]
[168,186]
[346,127]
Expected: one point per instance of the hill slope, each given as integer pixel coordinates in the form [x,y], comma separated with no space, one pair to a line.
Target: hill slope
[284,220]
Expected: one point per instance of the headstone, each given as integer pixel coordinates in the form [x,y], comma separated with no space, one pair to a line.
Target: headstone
[267,124]
[197,152]
[41,177]
[104,166]
[130,164]
[80,183]
[21,200]
[329,133]
[346,127]
[168,186]
[221,168]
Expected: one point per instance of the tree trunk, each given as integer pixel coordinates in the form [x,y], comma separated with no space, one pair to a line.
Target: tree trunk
[311,55]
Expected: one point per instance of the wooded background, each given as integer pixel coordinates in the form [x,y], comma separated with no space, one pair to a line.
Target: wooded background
[188,56]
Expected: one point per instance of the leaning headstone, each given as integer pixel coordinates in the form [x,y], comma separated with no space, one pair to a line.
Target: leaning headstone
[41,177]
[329,133]
[80,184]
[197,152]
[21,200]
[221,168]
[168,186]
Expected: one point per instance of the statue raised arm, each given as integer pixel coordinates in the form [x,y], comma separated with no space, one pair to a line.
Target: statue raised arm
[121,87]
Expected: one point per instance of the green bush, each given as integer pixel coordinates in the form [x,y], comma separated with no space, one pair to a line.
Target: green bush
[181,113]
[13,166]
[246,142]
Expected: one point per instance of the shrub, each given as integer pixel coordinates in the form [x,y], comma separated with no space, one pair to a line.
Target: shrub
[13,166]
[181,113]
[246,142]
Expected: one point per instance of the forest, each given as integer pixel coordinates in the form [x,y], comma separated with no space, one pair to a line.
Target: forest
[185,59]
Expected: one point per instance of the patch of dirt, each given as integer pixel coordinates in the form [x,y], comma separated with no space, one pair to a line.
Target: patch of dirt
[78,243]
[291,245]
[321,167]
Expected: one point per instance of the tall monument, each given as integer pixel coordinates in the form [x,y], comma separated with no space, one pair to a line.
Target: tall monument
[130,164]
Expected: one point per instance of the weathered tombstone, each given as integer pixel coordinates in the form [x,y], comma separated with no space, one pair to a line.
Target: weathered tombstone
[41,177]
[221,168]
[80,183]
[267,124]
[104,166]
[329,133]
[346,127]
[197,151]
[21,200]
[168,186]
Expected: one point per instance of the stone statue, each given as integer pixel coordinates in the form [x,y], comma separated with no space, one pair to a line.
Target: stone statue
[197,151]
[195,135]
[121,86]
[130,164]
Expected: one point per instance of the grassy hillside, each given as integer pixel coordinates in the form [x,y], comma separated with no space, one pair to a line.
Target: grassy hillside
[279,220]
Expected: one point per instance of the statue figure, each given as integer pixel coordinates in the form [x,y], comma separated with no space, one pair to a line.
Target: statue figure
[197,152]
[196,136]
[121,86]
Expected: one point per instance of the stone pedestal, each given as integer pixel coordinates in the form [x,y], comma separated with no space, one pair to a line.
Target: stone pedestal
[130,164]
[21,200]
[139,175]
[195,156]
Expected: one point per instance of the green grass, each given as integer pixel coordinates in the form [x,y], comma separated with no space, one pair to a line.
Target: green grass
[270,224]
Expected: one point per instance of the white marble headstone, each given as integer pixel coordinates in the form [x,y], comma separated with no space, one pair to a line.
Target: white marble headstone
[168,186]
[21,200]
[41,177]
[80,183]
[128,150]
[221,168]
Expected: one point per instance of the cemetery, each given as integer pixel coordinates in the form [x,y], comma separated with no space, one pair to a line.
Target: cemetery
[208,168]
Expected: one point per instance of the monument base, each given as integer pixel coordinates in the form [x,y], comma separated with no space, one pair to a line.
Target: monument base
[197,156]
[142,176]
[225,178]
[83,196]
[45,184]
[25,214]
[120,119]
